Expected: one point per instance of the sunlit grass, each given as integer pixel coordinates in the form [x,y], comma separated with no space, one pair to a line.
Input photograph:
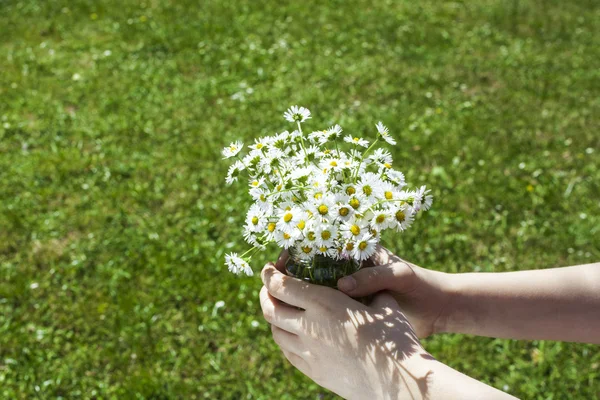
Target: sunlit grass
[114,217]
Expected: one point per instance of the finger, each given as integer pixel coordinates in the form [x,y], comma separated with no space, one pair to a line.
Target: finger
[287,341]
[297,362]
[381,256]
[291,290]
[397,276]
[280,264]
[384,301]
[279,314]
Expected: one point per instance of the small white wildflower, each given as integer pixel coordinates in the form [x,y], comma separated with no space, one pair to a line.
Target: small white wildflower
[232,150]
[295,113]
[356,141]
[364,247]
[237,265]
[384,133]
[234,172]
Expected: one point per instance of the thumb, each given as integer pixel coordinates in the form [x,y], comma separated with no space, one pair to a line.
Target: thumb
[366,281]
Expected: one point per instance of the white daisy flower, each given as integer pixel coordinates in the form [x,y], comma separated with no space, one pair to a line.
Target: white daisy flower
[332,164]
[252,239]
[382,220]
[330,252]
[351,229]
[234,172]
[286,239]
[369,184]
[326,234]
[260,144]
[425,199]
[323,137]
[358,202]
[381,156]
[364,247]
[403,218]
[356,141]
[396,177]
[232,150]
[295,113]
[255,219]
[384,133]
[304,249]
[342,210]
[270,230]
[288,219]
[263,198]
[237,264]
[256,182]
[322,206]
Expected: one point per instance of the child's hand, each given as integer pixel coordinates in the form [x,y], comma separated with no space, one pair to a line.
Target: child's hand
[421,294]
[357,351]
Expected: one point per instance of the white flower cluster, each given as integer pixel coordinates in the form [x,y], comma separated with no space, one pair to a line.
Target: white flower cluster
[311,195]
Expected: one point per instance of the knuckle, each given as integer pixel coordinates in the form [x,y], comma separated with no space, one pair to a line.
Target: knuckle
[268,315]
[276,284]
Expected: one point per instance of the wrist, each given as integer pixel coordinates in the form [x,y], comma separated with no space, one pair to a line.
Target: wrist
[448,287]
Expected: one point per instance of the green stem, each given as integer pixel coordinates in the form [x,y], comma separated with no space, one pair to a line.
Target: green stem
[355,175]
[302,143]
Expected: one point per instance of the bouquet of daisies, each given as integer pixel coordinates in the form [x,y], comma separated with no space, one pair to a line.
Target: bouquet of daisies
[319,195]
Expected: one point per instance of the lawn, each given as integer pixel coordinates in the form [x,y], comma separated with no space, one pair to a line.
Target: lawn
[114,216]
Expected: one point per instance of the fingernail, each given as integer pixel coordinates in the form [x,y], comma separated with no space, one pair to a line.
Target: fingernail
[347,284]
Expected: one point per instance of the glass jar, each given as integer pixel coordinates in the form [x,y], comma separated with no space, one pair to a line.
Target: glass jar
[320,269]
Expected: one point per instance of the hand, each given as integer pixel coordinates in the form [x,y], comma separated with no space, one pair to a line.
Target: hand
[357,351]
[421,294]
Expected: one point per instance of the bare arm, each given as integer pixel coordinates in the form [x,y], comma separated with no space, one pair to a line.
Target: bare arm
[550,304]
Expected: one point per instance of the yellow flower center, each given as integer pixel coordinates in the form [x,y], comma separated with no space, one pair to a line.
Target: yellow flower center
[333,164]
[325,235]
[323,249]
[271,226]
[286,236]
[380,218]
[301,225]
[400,217]
[307,249]
[350,190]
[318,195]
[263,198]
[287,217]
[311,236]
[255,220]
[232,148]
[254,183]
[354,202]
[367,190]
[323,209]
[362,245]
[356,140]
[387,165]
[344,211]
[259,146]
[355,229]
[279,187]
[350,246]
[388,195]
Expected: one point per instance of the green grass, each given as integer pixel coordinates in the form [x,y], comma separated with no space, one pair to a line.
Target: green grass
[114,218]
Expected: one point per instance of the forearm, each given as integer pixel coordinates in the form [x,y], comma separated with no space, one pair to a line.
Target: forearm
[551,304]
[427,378]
